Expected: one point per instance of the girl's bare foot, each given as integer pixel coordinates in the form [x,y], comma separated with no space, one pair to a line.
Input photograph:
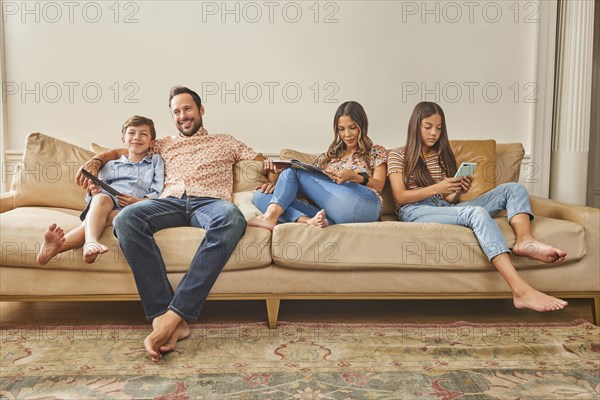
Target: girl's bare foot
[91,250]
[263,221]
[537,250]
[538,301]
[53,241]
[320,220]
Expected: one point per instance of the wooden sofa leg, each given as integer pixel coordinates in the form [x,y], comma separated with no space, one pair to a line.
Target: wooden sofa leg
[272,311]
[596,309]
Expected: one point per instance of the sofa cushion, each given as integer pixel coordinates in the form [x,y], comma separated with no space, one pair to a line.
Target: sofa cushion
[46,175]
[483,152]
[247,175]
[243,200]
[290,154]
[402,245]
[23,229]
[508,162]
[98,148]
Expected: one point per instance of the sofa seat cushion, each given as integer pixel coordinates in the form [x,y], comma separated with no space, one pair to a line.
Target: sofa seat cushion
[402,245]
[23,229]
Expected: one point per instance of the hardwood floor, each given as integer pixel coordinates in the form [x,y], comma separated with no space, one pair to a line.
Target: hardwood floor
[366,311]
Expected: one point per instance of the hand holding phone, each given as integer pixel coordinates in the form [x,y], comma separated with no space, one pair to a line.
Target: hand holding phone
[465,169]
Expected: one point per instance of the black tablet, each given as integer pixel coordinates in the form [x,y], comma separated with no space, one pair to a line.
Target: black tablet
[100,183]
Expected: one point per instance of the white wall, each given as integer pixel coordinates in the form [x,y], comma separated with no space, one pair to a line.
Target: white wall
[388,55]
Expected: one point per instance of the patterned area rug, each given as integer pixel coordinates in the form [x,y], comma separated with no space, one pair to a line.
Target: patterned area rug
[305,361]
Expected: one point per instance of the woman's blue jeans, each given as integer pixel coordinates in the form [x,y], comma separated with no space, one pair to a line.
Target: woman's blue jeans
[135,226]
[343,203]
[475,214]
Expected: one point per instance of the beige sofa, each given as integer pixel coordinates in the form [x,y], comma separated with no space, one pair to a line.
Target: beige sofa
[381,260]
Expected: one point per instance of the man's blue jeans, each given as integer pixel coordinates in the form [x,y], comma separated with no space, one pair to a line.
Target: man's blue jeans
[475,214]
[135,226]
[343,203]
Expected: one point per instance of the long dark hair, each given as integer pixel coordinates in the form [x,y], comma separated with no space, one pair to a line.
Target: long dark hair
[337,148]
[414,164]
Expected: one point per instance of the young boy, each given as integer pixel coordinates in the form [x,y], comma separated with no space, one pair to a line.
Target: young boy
[137,177]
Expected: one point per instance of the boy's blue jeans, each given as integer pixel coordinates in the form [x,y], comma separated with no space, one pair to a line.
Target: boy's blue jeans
[475,214]
[135,226]
[343,203]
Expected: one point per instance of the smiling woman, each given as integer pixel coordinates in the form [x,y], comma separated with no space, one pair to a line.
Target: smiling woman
[347,190]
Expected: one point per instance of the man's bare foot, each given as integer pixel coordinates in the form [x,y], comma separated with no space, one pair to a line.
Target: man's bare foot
[320,220]
[53,241]
[263,221]
[163,328]
[539,251]
[538,301]
[182,332]
[91,250]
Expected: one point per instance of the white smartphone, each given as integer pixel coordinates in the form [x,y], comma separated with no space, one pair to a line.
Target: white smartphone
[466,168]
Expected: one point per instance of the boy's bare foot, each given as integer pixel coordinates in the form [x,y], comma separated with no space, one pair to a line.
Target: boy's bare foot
[263,221]
[163,328]
[539,251]
[182,332]
[320,220]
[538,301]
[53,241]
[91,250]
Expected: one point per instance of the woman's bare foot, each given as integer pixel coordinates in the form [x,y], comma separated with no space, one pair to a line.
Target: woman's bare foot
[537,250]
[320,220]
[263,221]
[163,328]
[182,332]
[53,241]
[538,301]
[91,250]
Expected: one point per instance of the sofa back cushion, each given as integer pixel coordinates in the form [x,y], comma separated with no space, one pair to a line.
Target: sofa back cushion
[482,152]
[247,175]
[46,175]
[290,154]
[508,162]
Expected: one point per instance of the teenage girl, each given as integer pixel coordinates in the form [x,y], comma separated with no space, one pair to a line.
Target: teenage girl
[421,174]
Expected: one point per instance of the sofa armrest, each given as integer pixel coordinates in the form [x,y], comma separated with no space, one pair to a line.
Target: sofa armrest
[582,215]
[7,201]
[587,217]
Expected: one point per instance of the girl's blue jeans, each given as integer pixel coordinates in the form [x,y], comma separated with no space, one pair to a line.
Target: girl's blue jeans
[475,214]
[343,203]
